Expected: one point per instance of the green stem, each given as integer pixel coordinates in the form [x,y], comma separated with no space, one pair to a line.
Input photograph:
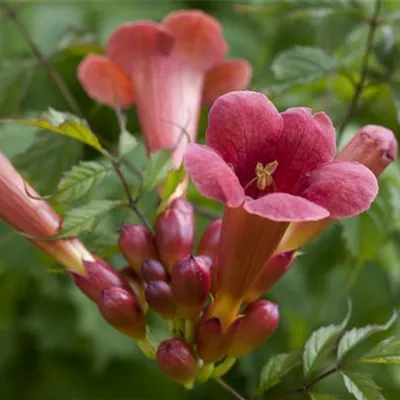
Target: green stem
[204,372]
[189,331]
[222,368]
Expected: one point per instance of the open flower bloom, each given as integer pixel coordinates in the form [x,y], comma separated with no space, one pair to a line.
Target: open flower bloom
[173,67]
[269,169]
[21,208]
[373,146]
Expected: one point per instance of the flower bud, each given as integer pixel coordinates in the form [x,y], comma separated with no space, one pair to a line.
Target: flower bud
[99,276]
[137,244]
[175,231]
[209,240]
[258,323]
[177,360]
[120,309]
[153,270]
[191,284]
[160,297]
[137,285]
[274,269]
[211,342]
[374,146]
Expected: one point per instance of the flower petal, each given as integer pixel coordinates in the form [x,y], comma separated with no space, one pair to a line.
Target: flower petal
[244,127]
[343,188]
[285,207]
[105,82]
[306,143]
[212,176]
[226,77]
[199,39]
[145,36]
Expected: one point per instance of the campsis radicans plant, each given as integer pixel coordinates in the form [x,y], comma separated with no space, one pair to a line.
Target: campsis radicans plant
[168,70]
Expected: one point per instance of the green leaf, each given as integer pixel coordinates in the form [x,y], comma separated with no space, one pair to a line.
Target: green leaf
[355,336]
[156,169]
[85,218]
[127,142]
[173,179]
[321,342]
[321,396]
[276,368]
[65,124]
[385,352]
[103,245]
[302,64]
[361,386]
[81,180]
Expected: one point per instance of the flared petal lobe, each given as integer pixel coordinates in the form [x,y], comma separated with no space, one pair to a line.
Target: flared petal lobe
[230,75]
[105,82]
[343,188]
[212,176]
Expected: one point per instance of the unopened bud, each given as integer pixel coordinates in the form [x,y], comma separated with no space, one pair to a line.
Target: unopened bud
[191,284]
[153,270]
[160,297]
[177,360]
[374,146]
[209,241]
[175,231]
[274,269]
[137,244]
[99,276]
[137,285]
[120,309]
[211,341]
[258,323]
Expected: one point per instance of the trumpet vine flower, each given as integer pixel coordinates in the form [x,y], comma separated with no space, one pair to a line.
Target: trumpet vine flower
[268,169]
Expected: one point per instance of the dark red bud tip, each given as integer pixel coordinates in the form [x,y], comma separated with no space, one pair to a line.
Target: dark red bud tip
[159,296]
[137,285]
[258,323]
[153,270]
[191,284]
[208,244]
[272,271]
[137,244]
[175,231]
[211,342]
[177,360]
[120,309]
[100,276]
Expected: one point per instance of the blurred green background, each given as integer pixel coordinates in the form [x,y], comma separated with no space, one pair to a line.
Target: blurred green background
[53,343]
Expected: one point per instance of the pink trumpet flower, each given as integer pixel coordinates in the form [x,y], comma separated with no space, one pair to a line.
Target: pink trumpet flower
[22,209]
[174,67]
[269,169]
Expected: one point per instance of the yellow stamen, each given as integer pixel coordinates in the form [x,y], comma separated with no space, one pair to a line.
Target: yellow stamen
[264,174]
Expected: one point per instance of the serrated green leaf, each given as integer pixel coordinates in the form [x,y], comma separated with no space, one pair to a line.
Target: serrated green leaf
[321,342]
[85,218]
[103,245]
[385,352]
[81,180]
[321,396]
[303,64]
[355,336]
[361,386]
[62,123]
[156,169]
[276,368]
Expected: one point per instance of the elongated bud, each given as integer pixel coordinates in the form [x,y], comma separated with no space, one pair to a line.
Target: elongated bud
[160,297]
[137,244]
[211,342]
[208,244]
[120,309]
[374,146]
[177,360]
[275,268]
[191,284]
[137,285]
[258,323]
[153,270]
[175,231]
[99,276]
